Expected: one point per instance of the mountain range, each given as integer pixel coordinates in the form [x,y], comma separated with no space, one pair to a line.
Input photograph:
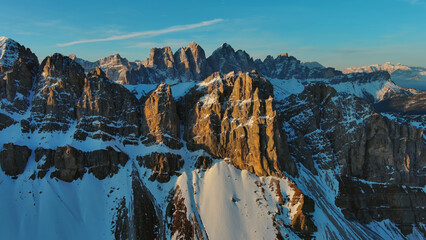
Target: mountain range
[405,76]
[184,146]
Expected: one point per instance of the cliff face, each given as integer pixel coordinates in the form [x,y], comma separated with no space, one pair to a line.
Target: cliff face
[107,110]
[344,133]
[161,122]
[18,70]
[58,85]
[234,117]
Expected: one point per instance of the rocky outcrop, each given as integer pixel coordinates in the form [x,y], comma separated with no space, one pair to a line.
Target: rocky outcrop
[71,164]
[161,59]
[225,59]
[203,162]
[365,144]
[107,110]
[14,158]
[146,219]
[366,202]
[317,120]
[163,165]
[403,102]
[18,70]
[5,121]
[161,122]
[142,219]
[182,227]
[115,67]
[191,62]
[58,86]
[234,117]
[302,223]
[387,152]
[343,132]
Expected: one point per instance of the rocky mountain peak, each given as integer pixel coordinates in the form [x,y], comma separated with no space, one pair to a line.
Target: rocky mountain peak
[161,120]
[59,66]
[97,72]
[234,117]
[9,52]
[161,58]
[18,69]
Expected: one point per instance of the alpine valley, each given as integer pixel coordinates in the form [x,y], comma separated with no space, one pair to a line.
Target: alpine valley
[185,146]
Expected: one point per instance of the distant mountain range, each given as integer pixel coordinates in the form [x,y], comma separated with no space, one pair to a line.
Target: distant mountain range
[404,76]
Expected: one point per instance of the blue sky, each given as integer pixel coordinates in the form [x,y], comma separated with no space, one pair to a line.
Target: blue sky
[334,33]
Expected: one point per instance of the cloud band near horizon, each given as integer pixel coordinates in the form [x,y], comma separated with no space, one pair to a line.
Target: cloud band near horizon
[151,33]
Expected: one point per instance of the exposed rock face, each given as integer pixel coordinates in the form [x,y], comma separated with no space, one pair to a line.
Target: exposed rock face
[302,223]
[320,107]
[5,121]
[181,226]
[191,62]
[203,162]
[18,70]
[162,60]
[365,202]
[115,67]
[146,221]
[143,219]
[376,149]
[58,87]
[107,110]
[343,132]
[14,158]
[71,163]
[234,117]
[163,165]
[161,119]
[403,103]
[388,152]
[225,60]
[140,74]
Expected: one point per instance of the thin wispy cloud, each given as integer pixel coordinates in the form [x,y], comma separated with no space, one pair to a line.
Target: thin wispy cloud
[152,33]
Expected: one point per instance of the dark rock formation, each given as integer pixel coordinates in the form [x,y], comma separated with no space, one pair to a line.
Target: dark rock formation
[366,202]
[5,121]
[387,152]
[59,85]
[191,62]
[14,158]
[302,223]
[161,122]
[146,221]
[225,59]
[203,162]
[71,163]
[18,70]
[143,219]
[107,110]
[161,59]
[234,117]
[163,165]
[181,226]
[343,132]
[115,67]
[403,103]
